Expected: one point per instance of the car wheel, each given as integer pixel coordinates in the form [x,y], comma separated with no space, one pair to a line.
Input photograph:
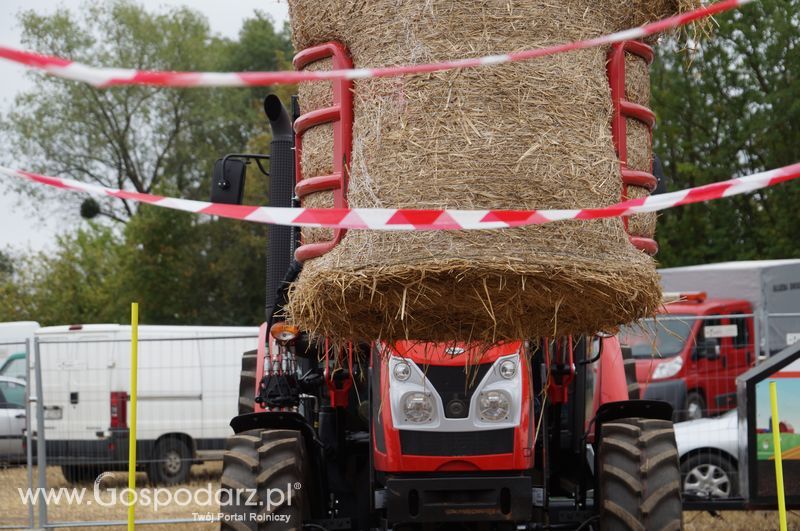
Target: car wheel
[171,462]
[695,407]
[709,476]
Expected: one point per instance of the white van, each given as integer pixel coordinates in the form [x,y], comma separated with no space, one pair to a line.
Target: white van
[188,383]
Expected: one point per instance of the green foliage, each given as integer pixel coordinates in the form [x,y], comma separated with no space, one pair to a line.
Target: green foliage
[181,268]
[134,137]
[6,265]
[733,110]
[66,286]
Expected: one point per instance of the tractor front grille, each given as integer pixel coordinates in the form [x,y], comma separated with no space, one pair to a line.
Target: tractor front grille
[454,384]
[457,443]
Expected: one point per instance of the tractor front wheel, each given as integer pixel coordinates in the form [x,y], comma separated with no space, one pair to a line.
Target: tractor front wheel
[264,479]
[639,476]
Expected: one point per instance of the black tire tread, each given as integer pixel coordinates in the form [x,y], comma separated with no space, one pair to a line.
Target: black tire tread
[639,476]
[261,460]
[629,366]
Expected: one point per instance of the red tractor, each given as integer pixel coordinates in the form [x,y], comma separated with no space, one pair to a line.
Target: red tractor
[531,434]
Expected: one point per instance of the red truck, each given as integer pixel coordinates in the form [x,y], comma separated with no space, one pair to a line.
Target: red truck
[691,354]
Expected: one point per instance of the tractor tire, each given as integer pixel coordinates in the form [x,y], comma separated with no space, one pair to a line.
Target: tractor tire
[247,382]
[639,476]
[629,363]
[264,481]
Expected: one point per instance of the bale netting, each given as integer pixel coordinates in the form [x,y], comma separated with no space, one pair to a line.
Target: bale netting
[525,135]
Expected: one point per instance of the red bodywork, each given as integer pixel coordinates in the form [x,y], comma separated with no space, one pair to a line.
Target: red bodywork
[608,385]
[612,385]
[715,379]
[392,460]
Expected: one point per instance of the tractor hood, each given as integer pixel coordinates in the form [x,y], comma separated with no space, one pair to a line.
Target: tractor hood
[452,353]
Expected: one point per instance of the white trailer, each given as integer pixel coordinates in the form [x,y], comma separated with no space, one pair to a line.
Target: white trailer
[188,383]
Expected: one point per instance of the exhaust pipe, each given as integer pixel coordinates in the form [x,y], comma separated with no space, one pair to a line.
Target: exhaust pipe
[281,191]
[279,119]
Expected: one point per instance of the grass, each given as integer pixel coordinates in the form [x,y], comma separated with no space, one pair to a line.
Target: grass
[14,512]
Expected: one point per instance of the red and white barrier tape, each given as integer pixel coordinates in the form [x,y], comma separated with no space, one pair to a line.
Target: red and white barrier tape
[107,77]
[414,219]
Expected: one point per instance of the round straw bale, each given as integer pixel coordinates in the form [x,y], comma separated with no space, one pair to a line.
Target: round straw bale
[524,135]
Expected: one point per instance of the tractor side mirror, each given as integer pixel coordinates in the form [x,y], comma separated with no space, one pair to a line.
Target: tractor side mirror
[227,183]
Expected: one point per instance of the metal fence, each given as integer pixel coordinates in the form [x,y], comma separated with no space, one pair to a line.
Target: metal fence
[692,362]
[76,398]
[16,457]
[78,405]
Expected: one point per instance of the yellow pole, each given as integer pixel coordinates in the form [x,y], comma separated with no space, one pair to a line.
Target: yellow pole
[132,415]
[776,444]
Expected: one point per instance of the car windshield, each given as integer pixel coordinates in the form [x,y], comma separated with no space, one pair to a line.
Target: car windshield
[13,368]
[663,337]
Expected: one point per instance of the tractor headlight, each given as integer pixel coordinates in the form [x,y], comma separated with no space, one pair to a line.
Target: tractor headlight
[668,369]
[284,333]
[418,407]
[494,405]
[401,371]
[507,369]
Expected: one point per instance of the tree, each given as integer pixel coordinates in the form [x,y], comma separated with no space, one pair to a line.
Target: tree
[6,265]
[733,110]
[182,268]
[185,271]
[65,286]
[139,138]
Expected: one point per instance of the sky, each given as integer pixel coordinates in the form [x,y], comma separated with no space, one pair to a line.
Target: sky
[19,229]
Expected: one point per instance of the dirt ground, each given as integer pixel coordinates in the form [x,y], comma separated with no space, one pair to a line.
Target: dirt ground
[14,512]
[738,521]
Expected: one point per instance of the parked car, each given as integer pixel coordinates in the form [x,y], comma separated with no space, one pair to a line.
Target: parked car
[708,450]
[12,419]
